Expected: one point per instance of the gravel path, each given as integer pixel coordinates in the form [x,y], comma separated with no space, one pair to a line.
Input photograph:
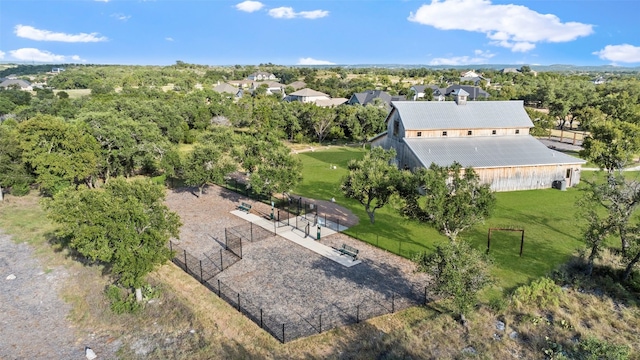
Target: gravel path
[33,317]
[34,324]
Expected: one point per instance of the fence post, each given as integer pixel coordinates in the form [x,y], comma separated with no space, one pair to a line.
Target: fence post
[283,333]
[358,313]
[393,303]
[425,295]
[239,302]
[251,230]
[219,292]
[221,262]
[201,277]
[260,318]
[186,268]
[171,246]
[320,329]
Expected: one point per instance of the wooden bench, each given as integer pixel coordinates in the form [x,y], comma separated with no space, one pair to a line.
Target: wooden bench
[244,207]
[349,251]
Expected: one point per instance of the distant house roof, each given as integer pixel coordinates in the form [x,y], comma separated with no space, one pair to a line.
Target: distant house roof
[296,85]
[474,92]
[368,97]
[487,151]
[419,88]
[308,92]
[510,70]
[424,115]
[270,84]
[22,84]
[331,102]
[226,88]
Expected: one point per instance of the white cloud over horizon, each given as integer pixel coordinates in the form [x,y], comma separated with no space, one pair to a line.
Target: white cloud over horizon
[479,57]
[2,54]
[31,33]
[249,6]
[169,38]
[620,53]
[515,27]
[286,12]
[33,54]
[312,61]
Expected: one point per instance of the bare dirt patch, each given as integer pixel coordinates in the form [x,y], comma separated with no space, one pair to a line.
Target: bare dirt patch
[34,322]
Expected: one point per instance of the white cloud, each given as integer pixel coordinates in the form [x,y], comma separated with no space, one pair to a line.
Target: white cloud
[288,13]
[169,38]
[29,32]
[1,55]
[31,54]
[480,57]
[102,1]
[620,53]
[315,14]
[282,13]
[249,6]
[121,17]
[312,61]
[512,26]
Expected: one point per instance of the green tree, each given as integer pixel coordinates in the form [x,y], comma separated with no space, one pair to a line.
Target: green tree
[612,144]
[58,153]
[459,272]
[13,172]
[125,225]
[208,163]
[373,180]
[455,199]
[271,167]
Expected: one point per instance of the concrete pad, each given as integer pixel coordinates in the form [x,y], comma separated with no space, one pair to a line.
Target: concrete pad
[300,238]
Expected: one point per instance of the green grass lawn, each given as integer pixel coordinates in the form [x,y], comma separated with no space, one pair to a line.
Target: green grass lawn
[552,230]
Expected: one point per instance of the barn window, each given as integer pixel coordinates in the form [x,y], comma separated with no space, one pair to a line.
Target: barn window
[396,127]
[419,133]
[444,133]
[517,131]
[493,132]
[469,132]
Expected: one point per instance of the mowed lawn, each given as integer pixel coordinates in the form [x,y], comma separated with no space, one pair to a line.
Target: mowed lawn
[548,217]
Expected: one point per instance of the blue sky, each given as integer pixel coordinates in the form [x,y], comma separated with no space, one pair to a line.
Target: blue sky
[343,32]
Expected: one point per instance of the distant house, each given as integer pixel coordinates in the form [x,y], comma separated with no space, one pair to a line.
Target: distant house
[241,83]
[599,80]
[307,95]
[490,136]
[475,92]
[510,71]
[297,85]
[420,91]
[272,87]
[16,83]
[373,96]
[331,102]
[57,70]
[475,78]
[228,89]
[261,76]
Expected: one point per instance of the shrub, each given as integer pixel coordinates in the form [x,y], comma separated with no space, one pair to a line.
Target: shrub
[542,292]
[122,301]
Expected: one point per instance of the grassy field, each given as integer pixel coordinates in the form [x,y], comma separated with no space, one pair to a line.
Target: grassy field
[547,216]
